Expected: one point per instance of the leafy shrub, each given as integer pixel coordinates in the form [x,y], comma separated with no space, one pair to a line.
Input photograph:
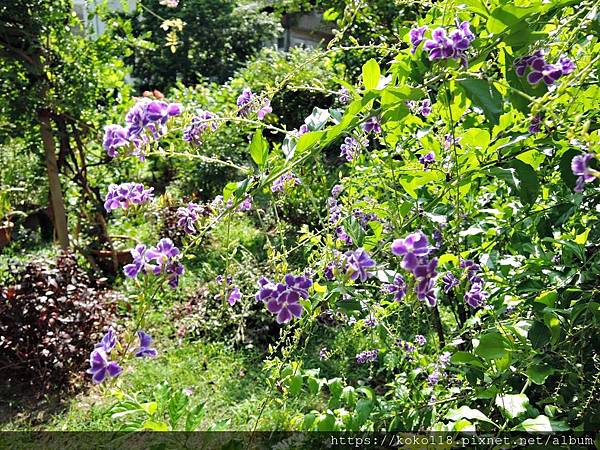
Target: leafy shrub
[50,317]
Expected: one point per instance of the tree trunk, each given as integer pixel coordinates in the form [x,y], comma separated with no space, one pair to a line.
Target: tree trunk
[56,196]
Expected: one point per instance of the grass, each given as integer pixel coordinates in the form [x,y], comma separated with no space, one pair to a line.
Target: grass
[229,382]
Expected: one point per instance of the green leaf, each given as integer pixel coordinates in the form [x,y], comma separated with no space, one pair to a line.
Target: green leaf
[464,412]
[466,358]
[538,373]
[566,173]
[512,405]
[492,346]
[508,16]
[363,410]
[539,334]
[153,425]
[295,384]
[548,298]
[326,422]
[308,140]
[259,148]
[542,423]
[371,74]
[484,95]
[194,417]
[176,407]
[528,186]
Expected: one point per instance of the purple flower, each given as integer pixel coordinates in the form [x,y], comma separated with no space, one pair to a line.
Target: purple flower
[265,109]
[283,298]
[302,130]
[344,96]
[566,65]
[434,378]
[536,124]
[413,247]
[126,194]
[244,101]
[580,165]
[286,181]
[234,296]
[448,141]
[358,264]
[350,148]
[444,359]
[139,261]
[438,238]
[372,125]
[416,37]
[420,340]
[335,210]
[476,296]
[203,122]
[108,342]
[342,235]
[115,136]
[442,46]
[174,270]
[427,160]
[323,354]
[425,107]
[336,190]
[370,322]
[398,288]
[425,291]
[100,366]
[541,70]
[245,205]
[144,350]
[187,217]
[367,356]
[450,281]
[162,254]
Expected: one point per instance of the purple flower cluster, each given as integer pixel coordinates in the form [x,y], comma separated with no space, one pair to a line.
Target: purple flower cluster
[580,165]
[351,148]
[283,299]
[444,45]
[344,96]
[201,123]
[415,249]
[341,234]
[367,356]
[372,125]
[420,340]
[162,259]
[476,296]
[125,195]
[370,322]
[232,292]
[146,118]
[423,107]
[364,218]
[100,366]
[248,101]
[323,354]
[335,210]
[397,288]
[145,349]
[536,124]
[188,216]
[427,160]
[449,281]
[286,181]
[357,264]
[540,70]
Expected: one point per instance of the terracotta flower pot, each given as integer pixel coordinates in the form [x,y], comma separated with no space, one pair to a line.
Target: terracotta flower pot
[6,233]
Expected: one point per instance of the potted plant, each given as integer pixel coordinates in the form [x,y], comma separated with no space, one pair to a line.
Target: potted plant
[6,225]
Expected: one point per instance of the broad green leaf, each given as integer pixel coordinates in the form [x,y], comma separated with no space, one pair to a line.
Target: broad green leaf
[532,157]
[259,148]
[154,425]
[363,409]
[492,345]
[308,140]
[466,358]
[371,74]
[194,417]
[476,137]
[529,186]
[542,423]
[484,95]
[295,384]
[539,334]
[508,16]
[566,172]
[512,405]
[548,298]
[539,372]
[326,422]
[464,412]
